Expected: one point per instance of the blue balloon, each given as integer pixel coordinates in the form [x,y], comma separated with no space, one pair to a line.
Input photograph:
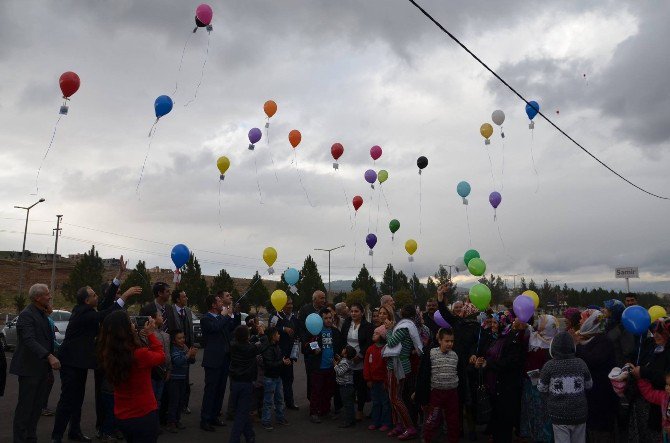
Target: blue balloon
[291,276]
[463,189]
[532,108]
[180,255]
[636,320]
[163,105]
[314,323]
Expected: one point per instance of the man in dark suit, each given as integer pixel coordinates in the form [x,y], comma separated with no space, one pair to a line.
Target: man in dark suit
[77,356]
[217,326]
[286,323]
[180,318]
[318,302]
[161,292]
[31,362]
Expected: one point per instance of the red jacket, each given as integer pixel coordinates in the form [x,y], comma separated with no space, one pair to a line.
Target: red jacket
[135,397]
[657,397]
[374,367]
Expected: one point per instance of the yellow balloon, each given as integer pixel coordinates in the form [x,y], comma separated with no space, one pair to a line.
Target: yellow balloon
[223,164]
[486,130]
[533,296]
[410,246]
[278,299]
[656,312]
[269,255]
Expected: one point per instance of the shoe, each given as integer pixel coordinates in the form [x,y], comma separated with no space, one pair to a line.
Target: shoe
[79,437]
[384,428]
[180,426]
[396,431]
[268,426]
[217,422]
[283,422]
[314,419]
[186,410]
[207,427]
[372,428]
[171,428]
[292,407]
[409,434]
[46,412]
[347,425]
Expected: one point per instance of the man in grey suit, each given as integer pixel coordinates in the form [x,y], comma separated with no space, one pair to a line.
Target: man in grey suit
[31,362]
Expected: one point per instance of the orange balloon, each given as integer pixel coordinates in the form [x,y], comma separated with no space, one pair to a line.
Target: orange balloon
[294,138]
[270,108]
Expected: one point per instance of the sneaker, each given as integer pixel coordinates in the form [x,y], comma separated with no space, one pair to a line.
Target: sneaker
[384,428]
[372,428]
[46,412]
[292,407]
[268,426]
[314,419]
[186,410]
[283,422]
[397,431]
[409,434]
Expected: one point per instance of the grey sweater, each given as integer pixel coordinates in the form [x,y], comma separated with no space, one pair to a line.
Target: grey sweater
[344,373]
[563,381]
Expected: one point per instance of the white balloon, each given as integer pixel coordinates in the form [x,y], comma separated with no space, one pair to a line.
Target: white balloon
[498,117]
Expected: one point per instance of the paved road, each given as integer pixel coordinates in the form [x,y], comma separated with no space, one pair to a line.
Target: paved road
[300,428]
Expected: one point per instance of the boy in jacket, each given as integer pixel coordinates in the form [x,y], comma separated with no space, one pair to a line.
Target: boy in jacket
[344,376]
[374,373]
[272,386]
[181,357]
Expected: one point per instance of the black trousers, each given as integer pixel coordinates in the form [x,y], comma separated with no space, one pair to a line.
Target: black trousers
[73,389]
[29,407]
[141,429]
[287,383]
[361,388]
[215,390]
[99,378]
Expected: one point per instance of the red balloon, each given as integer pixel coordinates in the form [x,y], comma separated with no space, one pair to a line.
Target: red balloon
[357,201]
[69,83]
[337,150]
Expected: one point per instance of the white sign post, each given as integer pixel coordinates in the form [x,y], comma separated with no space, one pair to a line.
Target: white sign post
[628,272]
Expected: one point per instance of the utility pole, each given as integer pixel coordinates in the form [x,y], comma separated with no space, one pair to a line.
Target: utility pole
[53,267]
[515,276]
[329,251]
[23,249]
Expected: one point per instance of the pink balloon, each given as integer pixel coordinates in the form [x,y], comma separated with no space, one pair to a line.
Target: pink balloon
[204,14]
[375,152]
[441,322]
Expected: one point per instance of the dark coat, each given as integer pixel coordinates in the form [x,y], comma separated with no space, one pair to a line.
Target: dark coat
[280,321]
[653,368]
[603,403]
[216,333]
[272,360]
[422,390]
[313,360]
[365,331]
[243,365]
[35,343]
[78,348]
[466,335]
[3,370]
[174,322]
[429,321]
[304,312]
[624,344]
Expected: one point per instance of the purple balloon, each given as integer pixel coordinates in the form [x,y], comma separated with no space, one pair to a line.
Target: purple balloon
[523,307]
[370,176]
[255,135]
[371,240]
[495,198]
[441,322]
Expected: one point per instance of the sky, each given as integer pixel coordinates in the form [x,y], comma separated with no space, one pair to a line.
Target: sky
[361,74]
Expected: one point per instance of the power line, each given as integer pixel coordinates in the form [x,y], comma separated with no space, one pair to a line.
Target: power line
[453,37]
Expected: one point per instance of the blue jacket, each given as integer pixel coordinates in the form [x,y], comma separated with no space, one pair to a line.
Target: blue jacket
[216,335]
[180,362]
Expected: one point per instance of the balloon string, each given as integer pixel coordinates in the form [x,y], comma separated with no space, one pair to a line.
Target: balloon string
[202,74]
[152,132]
[502,172]
[532,157]
[385,200]
[181,61]
[378,201]
[467,218]
[267,137]
[258,183]
[355,237]
[53,136]
[220,227]
[500,236]
[493,180]
[420,205]
[371,206]
[346,199]
[295,157]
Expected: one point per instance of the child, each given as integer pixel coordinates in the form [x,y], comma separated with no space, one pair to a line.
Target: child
[344,377]
[273,390]
[181,357]
[437,385]
[374,373]
[563,381]
[660,398]
[160,373]
[321,349]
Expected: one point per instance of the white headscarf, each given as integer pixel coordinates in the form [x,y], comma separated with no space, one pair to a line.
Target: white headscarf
[547,329]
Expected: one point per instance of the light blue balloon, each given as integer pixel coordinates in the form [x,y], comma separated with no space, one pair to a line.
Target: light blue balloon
[291,276]
[532,108]
[314,323]
[463,189]
[162,105]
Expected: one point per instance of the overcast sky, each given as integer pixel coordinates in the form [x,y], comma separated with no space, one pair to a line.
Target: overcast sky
[362,74]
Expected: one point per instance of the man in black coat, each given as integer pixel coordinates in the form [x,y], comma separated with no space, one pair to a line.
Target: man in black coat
[31,362]
[77,356]
[428,317]
[318,302]
[286,323]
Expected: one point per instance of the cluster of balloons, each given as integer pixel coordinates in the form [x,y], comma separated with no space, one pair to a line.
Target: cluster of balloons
[480,294]
[486,130]
[475,264]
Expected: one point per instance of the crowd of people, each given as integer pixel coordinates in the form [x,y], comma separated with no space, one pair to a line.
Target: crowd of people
[576,377]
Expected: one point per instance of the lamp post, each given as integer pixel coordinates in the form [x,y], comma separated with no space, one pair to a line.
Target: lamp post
[25,233]
[329,251]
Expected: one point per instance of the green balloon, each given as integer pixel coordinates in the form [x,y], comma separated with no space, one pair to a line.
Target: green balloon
[477,267]
[480,296]
[394,225]
[382,176]
[469,255]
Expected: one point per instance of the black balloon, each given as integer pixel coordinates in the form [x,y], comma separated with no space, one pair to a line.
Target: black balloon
[422,162]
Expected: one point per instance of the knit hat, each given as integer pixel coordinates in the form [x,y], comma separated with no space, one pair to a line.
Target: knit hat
[616,309]
[562,346]
[381,330]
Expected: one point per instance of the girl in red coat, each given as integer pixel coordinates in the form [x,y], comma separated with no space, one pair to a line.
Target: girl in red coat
[374,372]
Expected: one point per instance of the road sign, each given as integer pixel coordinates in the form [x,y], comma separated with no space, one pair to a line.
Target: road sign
[629,272]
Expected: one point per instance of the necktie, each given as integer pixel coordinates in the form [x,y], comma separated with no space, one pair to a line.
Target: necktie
[164,315]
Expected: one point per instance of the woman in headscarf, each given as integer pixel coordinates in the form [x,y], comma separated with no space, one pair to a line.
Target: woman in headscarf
[535,423]
[598,352]
[502,360]
[623,341]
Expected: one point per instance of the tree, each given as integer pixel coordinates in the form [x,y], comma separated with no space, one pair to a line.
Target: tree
[388,283]
[523,287]
[88,271]
[431,287]
[418,291]
[310,282]
[19,302]
[402,282]
[365,282]
[257,293]
[138,277]
[357,296]
[194,284]
[403,297]
[222,282]
[546,293]
[341,296]
[442,277]
[532,286]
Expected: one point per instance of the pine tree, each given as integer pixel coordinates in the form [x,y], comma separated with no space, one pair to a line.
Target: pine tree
[356,296]
[431,287]
[222,282]
[194,284]
[88,271]
[388,283]
[365,282]
[257,293]
[418,290]
[532,286]
[402,282]
[310,282]
[138,277]
[523,287]
[442,277]
[403,297]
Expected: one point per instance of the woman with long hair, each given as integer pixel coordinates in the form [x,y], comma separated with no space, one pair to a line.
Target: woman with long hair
[127,365]
[357,331]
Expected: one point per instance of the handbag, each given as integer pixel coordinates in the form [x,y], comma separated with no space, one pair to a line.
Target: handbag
[483,405]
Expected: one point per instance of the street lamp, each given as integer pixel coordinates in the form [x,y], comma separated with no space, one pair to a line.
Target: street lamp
[329,251]
[25,233]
